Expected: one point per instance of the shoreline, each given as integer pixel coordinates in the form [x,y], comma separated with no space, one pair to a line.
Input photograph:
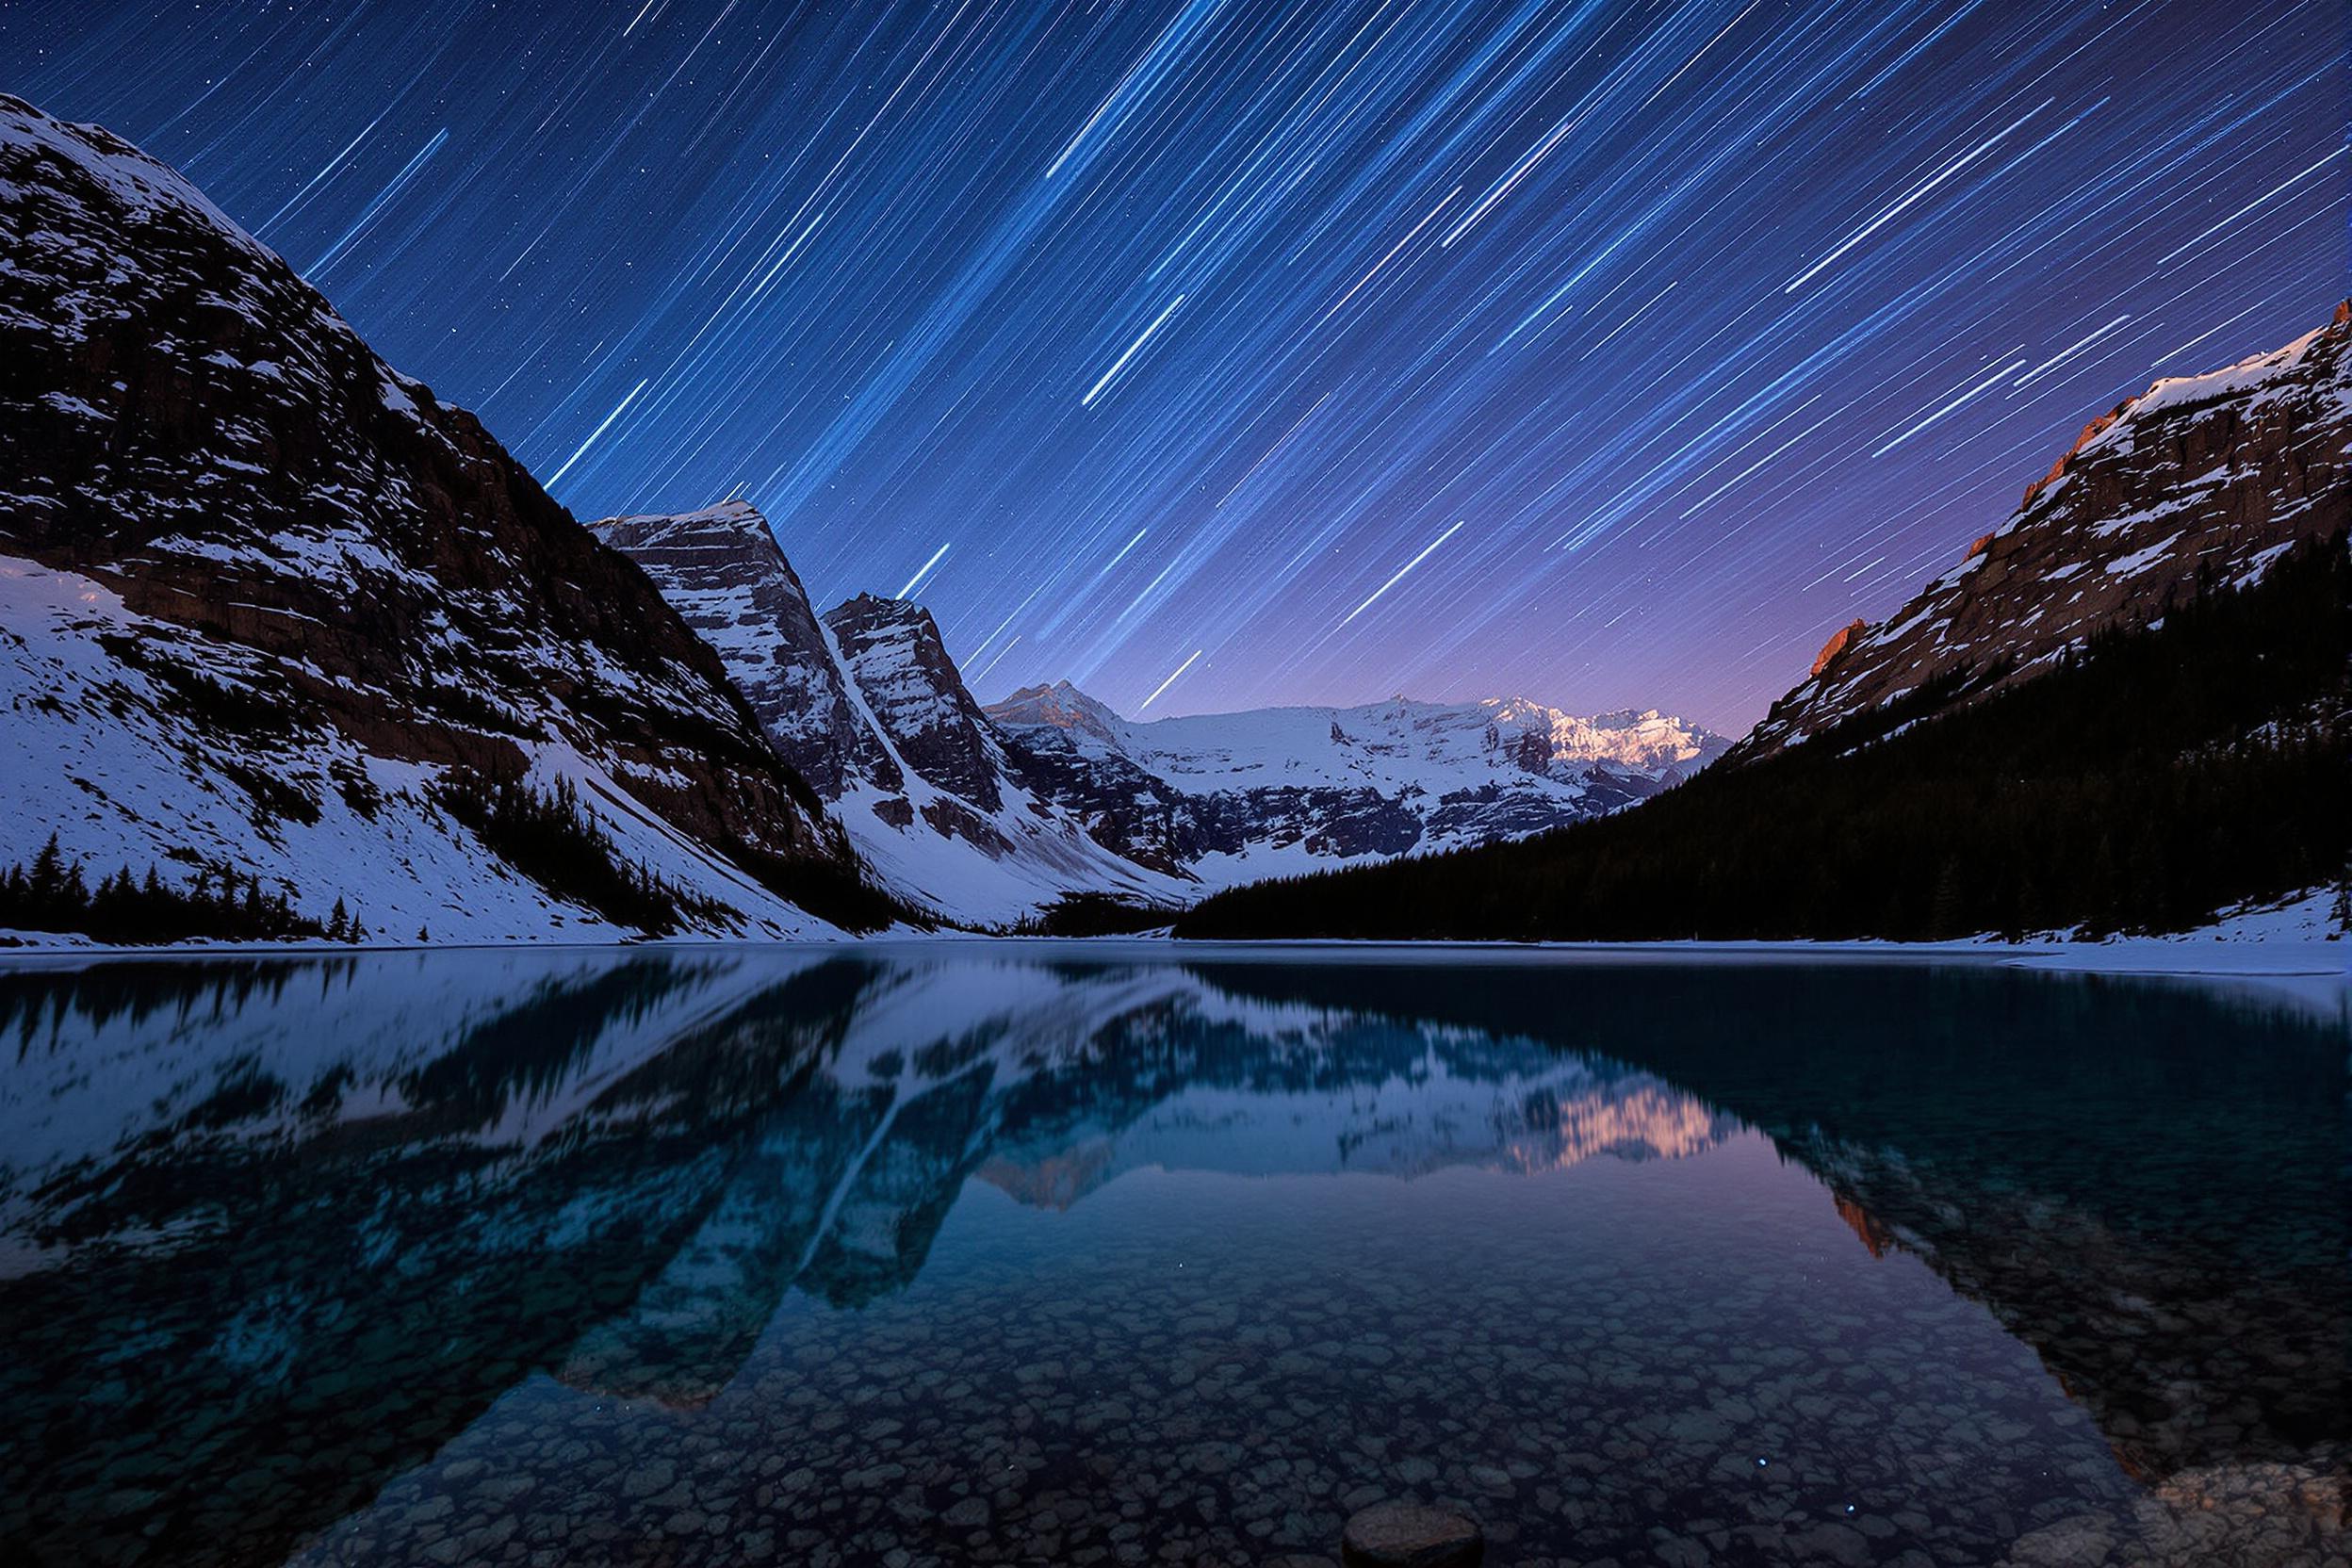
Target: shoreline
[2200,954]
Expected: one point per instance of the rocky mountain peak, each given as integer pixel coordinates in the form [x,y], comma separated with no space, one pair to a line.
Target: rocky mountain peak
[2200,478]
[879,608]
[866,700]
[1059,706]
[724,572]
[1843,637]
[893,649]
[735,517]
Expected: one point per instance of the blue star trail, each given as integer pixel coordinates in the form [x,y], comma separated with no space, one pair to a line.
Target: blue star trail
[1154,337]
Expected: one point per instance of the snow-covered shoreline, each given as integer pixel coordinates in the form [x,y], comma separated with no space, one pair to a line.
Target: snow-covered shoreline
[2289,939]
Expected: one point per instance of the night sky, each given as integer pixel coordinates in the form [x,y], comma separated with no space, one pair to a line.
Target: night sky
[1607,353]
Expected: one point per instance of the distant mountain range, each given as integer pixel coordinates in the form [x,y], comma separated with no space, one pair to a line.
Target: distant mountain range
[291,648]
[993,813]
[1234,796]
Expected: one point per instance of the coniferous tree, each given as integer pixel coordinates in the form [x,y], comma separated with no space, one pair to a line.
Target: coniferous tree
[218,902]
[48,874]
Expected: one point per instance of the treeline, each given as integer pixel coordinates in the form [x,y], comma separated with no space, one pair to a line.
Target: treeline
[2156,777]
[831,887]
[54,894]
[547,836]
[1091,914]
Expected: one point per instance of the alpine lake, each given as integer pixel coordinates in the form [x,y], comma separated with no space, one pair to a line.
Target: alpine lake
[1132,1252]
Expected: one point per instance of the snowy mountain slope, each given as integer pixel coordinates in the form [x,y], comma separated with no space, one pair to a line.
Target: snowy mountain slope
[266,602]
[1230,797]
[866,702]
[2217,474]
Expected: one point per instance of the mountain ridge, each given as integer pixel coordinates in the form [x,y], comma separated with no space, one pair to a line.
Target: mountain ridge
[2213,475]
[1267,789]
[1001,813]
[864,698]
[272,613]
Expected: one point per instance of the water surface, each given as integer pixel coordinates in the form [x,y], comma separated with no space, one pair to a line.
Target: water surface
[1118,1254]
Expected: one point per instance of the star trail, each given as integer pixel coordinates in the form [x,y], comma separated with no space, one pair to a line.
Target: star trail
[1222,353]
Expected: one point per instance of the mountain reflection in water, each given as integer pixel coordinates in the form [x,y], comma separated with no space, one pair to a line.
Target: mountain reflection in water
[289,1246]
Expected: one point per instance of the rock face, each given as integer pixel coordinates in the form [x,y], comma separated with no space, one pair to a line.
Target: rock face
[1843,637]
[893,652]
[262,599]
[1230,797]
[2208,477]
[723,571]
[1061,706]
[866,702]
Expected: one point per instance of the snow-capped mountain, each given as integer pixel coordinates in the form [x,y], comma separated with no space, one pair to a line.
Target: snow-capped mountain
[989,815]
[268,608]
[2208,477]
[866,703]
[1231,798]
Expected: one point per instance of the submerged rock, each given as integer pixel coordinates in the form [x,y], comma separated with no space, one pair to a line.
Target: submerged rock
[1410,1535]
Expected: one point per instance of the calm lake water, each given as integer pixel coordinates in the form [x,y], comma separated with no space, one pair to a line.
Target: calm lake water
[1120,1254]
